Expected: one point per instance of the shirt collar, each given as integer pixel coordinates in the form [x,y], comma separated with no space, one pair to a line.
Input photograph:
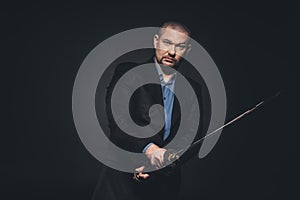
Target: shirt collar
[171,81]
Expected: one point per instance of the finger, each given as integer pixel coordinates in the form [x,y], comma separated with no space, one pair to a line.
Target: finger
[140,169]
[160,160]
[136,177]
[144,176]
[158,163]
[154,162]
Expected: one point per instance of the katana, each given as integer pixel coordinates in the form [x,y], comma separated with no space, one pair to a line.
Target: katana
[173,156]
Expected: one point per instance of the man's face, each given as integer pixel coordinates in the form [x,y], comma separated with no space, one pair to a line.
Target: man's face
[170,46]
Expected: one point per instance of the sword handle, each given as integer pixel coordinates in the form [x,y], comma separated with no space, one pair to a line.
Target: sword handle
[171,158]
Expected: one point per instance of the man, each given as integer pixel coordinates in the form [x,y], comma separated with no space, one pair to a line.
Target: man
[171,43]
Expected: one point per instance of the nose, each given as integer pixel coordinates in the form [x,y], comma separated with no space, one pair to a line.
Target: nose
[172,51]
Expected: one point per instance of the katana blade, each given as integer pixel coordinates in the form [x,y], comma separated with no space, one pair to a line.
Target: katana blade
[260,104]
[172,156]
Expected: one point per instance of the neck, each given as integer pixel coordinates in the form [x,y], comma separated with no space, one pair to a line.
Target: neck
[167,71]
[167,77]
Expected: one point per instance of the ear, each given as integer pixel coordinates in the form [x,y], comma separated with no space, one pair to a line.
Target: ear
[155,40]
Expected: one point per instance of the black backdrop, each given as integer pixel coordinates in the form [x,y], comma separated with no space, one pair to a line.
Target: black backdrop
[254,45]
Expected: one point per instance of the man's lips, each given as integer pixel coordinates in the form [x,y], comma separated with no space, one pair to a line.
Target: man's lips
[170,60]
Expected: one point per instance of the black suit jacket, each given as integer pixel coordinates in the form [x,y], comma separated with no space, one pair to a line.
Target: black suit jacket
[120,185]
[148,95]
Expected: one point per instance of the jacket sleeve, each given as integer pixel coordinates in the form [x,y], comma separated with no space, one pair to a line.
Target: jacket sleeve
[123,140]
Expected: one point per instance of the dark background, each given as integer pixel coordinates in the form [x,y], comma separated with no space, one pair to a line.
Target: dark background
[255,46]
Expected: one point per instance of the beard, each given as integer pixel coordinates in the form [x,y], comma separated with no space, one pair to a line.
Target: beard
[166,69]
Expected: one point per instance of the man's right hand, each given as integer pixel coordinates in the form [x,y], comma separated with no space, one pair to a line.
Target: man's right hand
[156,156]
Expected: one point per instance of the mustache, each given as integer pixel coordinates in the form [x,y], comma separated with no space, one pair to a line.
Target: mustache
[169,58]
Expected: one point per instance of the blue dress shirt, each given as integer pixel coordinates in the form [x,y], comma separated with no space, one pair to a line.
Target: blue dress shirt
[168,100]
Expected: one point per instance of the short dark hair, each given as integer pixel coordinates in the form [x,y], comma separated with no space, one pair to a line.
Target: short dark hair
[176,26]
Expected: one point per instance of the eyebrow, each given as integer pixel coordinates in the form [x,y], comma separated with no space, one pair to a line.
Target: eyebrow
[166,40]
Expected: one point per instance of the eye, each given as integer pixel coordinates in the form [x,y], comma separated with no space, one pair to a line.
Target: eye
[181,47]
[167,43]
